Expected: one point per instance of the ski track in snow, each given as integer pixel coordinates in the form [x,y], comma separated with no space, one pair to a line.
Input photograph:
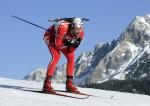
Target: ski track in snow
[12,94]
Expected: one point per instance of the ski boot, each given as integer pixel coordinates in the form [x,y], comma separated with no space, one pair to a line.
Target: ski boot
[47,87]
[70,87]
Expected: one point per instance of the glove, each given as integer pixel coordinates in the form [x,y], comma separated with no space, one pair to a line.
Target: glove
[73,42]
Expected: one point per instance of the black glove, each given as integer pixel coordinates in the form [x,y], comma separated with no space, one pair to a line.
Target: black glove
[73,42]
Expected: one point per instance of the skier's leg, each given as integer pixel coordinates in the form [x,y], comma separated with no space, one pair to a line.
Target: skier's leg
[47,87]
[55,58]
[70,72]
[70,62]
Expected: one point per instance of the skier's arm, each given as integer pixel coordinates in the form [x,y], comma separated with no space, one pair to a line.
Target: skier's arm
[76,41]
[79,39]
[47,35]
[60,35]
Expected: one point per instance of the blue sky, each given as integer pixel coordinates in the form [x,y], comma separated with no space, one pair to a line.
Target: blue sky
[22,48]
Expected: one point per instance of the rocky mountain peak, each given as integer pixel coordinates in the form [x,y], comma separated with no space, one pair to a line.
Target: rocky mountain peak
[138,31]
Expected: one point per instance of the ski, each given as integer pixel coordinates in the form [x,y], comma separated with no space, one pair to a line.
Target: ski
[64,95]
[59,94]
[80,93]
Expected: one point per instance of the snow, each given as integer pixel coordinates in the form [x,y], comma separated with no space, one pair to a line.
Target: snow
[141,24]
[136,54]
[147,48]
[148,16]
[83,58]
[143,75]
[132,47]
[119,74]
[12,93]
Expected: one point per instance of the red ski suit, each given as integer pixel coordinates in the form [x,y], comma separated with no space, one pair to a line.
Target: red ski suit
[57,37]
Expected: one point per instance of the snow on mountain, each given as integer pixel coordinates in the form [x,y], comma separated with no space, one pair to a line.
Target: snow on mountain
[37,75]
[113,61]
[14,93]
[119,59]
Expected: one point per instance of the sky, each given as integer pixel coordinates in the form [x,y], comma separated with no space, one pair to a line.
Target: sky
[22,48]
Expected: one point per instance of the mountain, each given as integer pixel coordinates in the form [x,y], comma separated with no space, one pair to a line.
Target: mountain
[127,58]
[18,93]
[121,58]
[36,75]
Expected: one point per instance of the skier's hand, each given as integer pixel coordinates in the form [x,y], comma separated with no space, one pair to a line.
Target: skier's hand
[73,42]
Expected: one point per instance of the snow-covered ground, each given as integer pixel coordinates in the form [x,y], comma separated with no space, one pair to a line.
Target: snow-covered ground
[12,93]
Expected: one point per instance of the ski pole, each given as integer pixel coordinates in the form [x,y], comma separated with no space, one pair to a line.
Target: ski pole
[29,22]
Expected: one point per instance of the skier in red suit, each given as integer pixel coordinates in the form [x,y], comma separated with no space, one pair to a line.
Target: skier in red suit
[63,37]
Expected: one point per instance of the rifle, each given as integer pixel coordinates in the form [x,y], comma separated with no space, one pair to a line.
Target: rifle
[66,19]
